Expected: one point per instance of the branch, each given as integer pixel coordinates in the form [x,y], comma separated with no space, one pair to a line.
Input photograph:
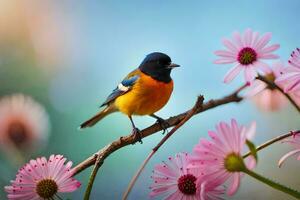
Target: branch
[198,105]
[189,115]
[99,161]
[172,121]
[273,85]
[272,141]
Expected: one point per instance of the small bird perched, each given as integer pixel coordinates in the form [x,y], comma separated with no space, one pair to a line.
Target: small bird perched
[144,91]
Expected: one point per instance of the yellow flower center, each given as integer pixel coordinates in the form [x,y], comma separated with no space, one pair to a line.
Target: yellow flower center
[247,56]
[186,184]
[46,188]
[234,163]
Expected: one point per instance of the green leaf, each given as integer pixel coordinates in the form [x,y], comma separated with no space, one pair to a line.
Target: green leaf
[252,149]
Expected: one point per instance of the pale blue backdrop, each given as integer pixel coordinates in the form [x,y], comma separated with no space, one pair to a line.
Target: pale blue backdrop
[104,40]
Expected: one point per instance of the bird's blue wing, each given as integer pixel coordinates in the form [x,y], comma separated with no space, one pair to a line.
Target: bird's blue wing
[122,88]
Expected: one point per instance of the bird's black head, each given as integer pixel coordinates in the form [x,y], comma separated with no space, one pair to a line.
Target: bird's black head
[158,66]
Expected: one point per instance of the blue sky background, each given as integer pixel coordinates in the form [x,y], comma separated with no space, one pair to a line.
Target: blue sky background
[104,40]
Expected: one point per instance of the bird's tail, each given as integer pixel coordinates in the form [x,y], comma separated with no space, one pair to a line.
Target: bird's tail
[93,120]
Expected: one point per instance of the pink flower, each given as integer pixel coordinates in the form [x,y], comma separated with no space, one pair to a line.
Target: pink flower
[266,98]
[23,123]
[222,155]
[246,51]
[176,181]
[290,79]
[295,142]
[41,179]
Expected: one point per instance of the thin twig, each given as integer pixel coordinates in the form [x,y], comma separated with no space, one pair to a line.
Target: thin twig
[138,173]
[190,114]
[172,121]
[272,141]
[273,85]
[193,111]
[97,165]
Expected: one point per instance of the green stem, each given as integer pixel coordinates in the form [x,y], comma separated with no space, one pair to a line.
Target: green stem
[89,187]
[273,184]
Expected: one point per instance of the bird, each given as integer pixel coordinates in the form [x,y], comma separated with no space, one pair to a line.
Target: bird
[144,91]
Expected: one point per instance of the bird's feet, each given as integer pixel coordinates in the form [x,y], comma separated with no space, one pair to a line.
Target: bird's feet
[137,135]
[163,124]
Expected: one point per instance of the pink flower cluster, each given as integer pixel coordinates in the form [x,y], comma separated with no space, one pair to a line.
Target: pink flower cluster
[202,174]
[247,50]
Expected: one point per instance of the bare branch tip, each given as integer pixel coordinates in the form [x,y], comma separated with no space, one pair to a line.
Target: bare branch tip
[199,101]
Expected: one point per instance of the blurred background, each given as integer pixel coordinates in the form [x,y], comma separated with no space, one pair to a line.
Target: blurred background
[69,55]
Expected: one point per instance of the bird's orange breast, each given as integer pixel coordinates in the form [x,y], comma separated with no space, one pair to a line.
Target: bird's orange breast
[146,97]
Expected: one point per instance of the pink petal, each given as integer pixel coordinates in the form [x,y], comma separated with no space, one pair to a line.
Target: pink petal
[163,180]
[265,68]
[202,191]
[71,187]
[224,53]
[263,41]
[270,48]
[238,39]
[225,61]
[218,177]
[250,131]
[250,162]
[227,43]
[255,39]
[162,189]
[288,75]
[295,87]
[294,64]
[28,196]
[175,196]
[248,37]
[167,171]
[283,158]
[295,61]
[249,74]
[234,184]
[256,88]
[223,130]
[268,56]
[278,68]
[232,73]
[292,84]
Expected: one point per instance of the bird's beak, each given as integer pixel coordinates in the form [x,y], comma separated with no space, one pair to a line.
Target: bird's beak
[173,65]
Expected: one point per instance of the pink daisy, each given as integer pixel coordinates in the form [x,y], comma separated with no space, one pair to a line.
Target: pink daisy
[41,179]
[176,181]
[23,122]
[290,79]
[267,98]
[222,155]
[247,51]
[295,142]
